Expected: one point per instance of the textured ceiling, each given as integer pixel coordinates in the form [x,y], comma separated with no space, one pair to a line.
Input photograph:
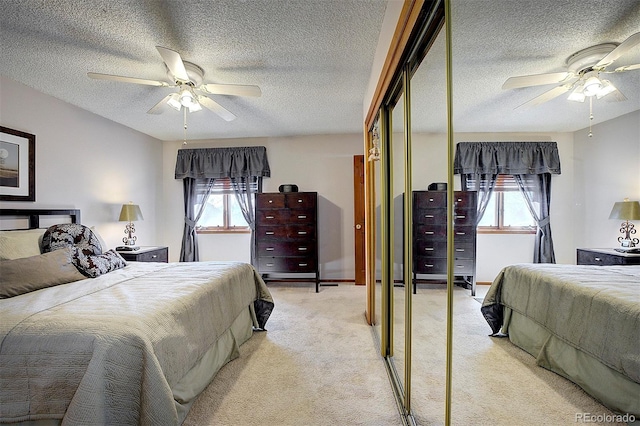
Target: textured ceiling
[312,60]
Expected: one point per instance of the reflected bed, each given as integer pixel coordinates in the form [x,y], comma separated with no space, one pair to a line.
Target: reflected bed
[582,322]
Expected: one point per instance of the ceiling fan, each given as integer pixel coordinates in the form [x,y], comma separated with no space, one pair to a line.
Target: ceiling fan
[191,95]
[582,77]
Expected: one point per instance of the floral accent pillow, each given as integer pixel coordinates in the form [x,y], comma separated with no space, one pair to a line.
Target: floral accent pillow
[96,265]
[71,234]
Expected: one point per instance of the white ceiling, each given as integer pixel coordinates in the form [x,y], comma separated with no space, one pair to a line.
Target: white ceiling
[312,60]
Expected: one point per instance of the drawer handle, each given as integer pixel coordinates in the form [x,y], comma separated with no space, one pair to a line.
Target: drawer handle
[431,200]
[461,233]
[270,249]
[461,216]
[597,259]
[428,248]
[154,256]
[459,199]
[428,232]
[302,216]
[428,265]
[302,232]
[460,250]
[269,264]
[302,249]
[428,215]
[300,200]
[270,201]
[270,217]
[302,264]
[269,233]
[459,266]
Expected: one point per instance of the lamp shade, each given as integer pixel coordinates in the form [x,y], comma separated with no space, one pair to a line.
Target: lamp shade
[130,212]
[626,210]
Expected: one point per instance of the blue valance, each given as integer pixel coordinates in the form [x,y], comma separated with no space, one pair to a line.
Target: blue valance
[205,163]
[511,158]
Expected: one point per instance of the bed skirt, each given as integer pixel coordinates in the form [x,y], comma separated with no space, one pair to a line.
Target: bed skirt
[614,390]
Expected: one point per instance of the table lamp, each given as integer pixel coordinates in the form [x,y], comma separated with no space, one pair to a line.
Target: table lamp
[130,213]
[626,210]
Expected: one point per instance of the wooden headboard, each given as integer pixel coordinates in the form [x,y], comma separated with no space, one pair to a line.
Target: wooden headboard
[33,215]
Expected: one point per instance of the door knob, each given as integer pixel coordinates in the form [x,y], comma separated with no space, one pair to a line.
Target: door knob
[358,226]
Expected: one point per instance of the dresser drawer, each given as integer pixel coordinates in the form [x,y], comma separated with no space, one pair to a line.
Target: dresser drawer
[439,217]
[438,199]
[286,264]
[270,201]
[301,200]
[431,249]
[286,248]
[462,232]
[439,266]
[284,217]
[157,254]
[606,257]
[294,232]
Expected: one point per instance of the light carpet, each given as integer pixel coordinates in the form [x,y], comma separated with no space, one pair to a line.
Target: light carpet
[315,365]
[318,365]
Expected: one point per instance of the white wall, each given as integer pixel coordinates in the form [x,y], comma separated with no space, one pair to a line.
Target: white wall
[607,168]
[86,162]
[322,164]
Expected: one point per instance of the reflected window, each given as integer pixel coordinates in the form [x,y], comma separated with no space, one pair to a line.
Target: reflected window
[507,210]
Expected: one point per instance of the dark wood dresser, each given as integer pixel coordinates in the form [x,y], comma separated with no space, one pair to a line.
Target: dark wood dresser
[286,234]
[606,257]
[430,235]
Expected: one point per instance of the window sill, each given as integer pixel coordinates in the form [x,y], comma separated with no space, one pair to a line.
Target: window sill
[224,231]
[506,231]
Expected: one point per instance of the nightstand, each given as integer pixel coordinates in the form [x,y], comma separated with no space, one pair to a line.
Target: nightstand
[606,257]
[146,254]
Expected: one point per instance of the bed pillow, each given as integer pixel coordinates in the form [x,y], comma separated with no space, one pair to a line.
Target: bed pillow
[21,243]
[95,265]
[24,275]
[71,234]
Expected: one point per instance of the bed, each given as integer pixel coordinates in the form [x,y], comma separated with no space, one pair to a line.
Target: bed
[582,322]
[134,345]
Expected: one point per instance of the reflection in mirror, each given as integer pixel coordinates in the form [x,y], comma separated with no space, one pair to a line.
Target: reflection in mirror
[429,165]
[377,190]
[397,200]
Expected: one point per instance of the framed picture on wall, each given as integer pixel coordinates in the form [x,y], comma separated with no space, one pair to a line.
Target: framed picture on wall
[17,165]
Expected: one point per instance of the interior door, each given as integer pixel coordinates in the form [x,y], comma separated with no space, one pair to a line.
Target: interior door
[358,218]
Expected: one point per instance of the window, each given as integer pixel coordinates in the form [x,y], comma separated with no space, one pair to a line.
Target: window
[222,213]
[507,210]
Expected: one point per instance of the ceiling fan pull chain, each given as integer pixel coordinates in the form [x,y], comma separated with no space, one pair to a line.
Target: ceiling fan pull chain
[590,115]
[184,110]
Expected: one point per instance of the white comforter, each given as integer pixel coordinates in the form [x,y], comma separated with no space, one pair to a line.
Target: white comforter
[108,350]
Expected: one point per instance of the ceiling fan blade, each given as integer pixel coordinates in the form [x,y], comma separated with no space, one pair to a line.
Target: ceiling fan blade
[161,106]
[174,63]
[232,89]
[547,96]
[98,76]
[615,96]
[622,48]
[627,68]
[536,80]
[217,108]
